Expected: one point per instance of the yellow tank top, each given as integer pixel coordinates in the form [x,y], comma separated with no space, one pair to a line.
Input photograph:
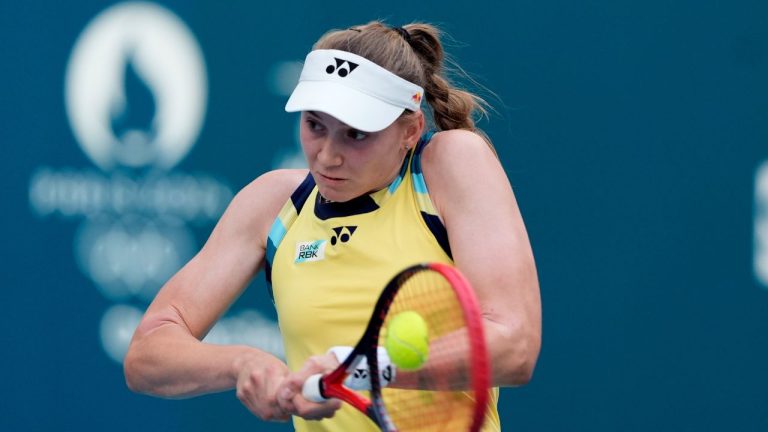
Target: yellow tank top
[328,262]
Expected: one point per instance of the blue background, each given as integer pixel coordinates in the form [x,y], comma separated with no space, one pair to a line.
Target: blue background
[631,132]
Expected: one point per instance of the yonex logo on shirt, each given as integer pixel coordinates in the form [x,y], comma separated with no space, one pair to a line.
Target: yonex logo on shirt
[341,235]
[310,251]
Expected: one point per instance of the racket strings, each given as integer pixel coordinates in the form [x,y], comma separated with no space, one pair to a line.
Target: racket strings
[449,405]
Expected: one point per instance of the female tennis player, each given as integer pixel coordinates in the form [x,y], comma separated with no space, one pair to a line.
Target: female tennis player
[398,174]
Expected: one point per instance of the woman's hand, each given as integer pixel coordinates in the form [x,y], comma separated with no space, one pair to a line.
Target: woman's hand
[257,385]
[290,397]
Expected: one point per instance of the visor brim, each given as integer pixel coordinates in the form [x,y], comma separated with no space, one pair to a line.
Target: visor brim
[348,105]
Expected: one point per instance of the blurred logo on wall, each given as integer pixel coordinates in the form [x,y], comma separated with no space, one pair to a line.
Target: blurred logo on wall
[136,95]
[760,254]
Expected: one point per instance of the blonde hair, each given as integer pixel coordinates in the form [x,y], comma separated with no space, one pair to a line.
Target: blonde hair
[415,53]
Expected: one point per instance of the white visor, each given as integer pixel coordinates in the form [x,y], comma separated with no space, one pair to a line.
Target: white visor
[353,89]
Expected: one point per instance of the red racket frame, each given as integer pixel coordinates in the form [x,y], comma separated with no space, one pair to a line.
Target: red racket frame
[331,384]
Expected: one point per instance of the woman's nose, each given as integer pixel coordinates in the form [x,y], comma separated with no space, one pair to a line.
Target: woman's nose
[329,154]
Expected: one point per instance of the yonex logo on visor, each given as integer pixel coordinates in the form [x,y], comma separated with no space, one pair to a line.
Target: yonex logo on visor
[370,99]
[340,71]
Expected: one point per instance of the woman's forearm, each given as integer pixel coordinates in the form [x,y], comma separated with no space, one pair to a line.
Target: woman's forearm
[512,355]
[513,352]
[168,361]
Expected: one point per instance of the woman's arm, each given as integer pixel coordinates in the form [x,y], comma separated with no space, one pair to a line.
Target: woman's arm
[166,356]
[472,194]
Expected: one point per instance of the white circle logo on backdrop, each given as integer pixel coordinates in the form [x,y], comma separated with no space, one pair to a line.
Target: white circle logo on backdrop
[760,239]
[136,96]
[126,43]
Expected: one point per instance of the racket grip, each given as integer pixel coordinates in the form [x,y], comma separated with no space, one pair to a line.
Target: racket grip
[359,378]
[312,389]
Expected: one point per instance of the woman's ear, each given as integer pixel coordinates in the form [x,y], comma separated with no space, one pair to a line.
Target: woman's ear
[414,128]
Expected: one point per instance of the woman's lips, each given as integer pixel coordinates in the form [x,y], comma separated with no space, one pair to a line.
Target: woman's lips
[329,178]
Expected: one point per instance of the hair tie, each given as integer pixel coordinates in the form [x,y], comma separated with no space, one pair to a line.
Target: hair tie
[404,33]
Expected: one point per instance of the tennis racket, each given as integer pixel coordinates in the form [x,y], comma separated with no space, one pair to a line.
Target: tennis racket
[448,392]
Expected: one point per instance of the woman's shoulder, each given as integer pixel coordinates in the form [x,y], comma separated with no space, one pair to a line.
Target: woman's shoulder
[456,149]
[261,200]
[279,181]
[455,163]
[273,188]
[457,135]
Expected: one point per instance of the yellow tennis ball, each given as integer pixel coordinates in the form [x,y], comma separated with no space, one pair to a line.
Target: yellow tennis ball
[407,340]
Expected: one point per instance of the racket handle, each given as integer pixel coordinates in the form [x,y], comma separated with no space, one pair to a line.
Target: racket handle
[312,390]
[359,378]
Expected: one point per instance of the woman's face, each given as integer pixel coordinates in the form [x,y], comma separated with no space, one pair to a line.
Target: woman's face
[346,162]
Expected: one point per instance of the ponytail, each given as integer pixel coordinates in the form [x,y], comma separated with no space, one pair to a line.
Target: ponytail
[415,53]
[452,108]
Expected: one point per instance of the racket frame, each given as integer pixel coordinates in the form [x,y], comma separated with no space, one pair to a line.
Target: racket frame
[331,385]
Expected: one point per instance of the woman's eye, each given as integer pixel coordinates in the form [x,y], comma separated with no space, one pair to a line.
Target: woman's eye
[313,125]
[357,135]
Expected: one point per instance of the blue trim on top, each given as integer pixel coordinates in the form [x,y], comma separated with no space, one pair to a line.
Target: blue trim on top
[271,250]
[420,186]
[423,141]
[438,230]
[395,184]
[278,230]
[300,195]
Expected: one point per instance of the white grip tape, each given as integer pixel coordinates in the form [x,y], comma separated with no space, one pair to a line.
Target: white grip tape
[359,378]
[311,389]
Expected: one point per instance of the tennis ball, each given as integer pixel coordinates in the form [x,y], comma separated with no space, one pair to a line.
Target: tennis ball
[407,340]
